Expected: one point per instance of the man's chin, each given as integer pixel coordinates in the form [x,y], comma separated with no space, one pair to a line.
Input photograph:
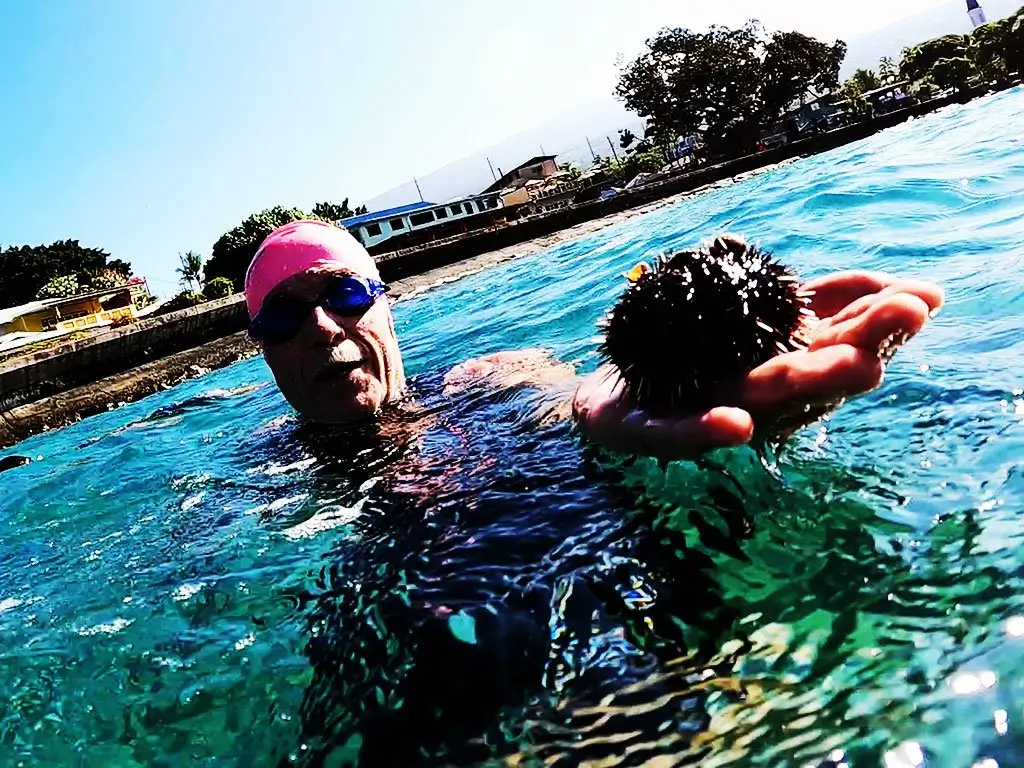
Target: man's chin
[346,400]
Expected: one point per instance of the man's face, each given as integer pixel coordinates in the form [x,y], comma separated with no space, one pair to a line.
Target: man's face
[336,369]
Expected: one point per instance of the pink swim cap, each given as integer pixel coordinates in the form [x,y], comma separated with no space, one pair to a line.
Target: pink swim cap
[297,247]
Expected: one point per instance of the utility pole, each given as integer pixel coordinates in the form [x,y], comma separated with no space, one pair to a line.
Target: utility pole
[592,152]
[418,188]
[543,153]
[616,154]
[493,174]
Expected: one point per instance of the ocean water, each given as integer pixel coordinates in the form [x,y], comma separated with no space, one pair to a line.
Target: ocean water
[195,579]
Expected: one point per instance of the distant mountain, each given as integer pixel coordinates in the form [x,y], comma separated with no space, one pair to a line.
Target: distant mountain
[566,136]
[948,19]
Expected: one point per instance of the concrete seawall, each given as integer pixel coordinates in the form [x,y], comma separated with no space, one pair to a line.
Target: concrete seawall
[46,373]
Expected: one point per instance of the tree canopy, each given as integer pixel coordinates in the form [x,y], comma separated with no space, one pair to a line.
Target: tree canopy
[724,84]
[25,269]
[992,51]
[335,212]
[234,250]
[796,65]
[952,73]
[997,48]
[918,60]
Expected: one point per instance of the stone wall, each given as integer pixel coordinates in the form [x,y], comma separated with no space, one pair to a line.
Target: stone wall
[80,362]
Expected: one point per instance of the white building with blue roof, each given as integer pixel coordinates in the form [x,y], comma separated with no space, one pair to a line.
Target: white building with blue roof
[374,228]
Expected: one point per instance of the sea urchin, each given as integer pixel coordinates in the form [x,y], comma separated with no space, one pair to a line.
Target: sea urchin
[700,319]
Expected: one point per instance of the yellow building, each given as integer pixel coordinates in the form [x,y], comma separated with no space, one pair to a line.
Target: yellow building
[53,317]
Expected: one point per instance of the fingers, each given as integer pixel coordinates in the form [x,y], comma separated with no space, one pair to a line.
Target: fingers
[847,290]
[797,379]
[674,438]
[606,415]
[882,318]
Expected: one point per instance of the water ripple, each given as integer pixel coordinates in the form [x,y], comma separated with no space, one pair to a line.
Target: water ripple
[197,577]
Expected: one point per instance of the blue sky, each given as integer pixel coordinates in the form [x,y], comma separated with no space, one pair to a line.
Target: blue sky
[149,129]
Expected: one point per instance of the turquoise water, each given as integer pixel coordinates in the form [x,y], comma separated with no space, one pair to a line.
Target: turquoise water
[194,579]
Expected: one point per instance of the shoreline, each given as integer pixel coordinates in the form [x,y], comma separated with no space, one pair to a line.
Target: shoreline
[73,405]
[415,285]
[145,371]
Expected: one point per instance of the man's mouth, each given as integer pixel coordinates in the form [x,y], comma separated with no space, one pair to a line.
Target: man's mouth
[337,370]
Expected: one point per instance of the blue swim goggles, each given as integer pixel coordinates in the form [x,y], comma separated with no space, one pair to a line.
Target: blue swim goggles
[281,317]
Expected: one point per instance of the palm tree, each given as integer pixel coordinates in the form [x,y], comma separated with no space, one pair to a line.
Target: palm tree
[191,270]
[887,71]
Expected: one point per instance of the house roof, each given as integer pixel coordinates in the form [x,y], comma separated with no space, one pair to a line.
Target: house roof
[884,88]
[9,314]
[504,180]
[363,218]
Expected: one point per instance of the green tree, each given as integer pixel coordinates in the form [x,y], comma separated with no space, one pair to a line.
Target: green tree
[857,106]
[997,48]
[572,170]
[917,61]
[795,66]
[923,90]
[690,82]
[723,84]
[218,288]
[648,161]
[60,288]
[988,45]
[865,80]
[121,267]
[108,278]
[191,270]
[334,212]
[626,138]
[888,72]
[952,73]
[234,250]
[25,269]
[1015,44]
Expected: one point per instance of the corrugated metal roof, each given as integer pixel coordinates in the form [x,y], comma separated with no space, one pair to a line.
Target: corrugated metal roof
[507,177]
[13,313]
[386,213]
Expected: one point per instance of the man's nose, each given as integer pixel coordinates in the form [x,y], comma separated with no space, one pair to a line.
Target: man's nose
[326,329]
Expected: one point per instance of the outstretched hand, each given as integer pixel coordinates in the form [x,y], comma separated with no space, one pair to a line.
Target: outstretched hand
[862,318]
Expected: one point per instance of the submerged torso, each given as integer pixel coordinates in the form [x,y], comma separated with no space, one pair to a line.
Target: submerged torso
[501,573]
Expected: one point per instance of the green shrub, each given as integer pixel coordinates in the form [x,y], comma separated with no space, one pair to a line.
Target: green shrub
[183,300]
[59,288]
[218,288]
[108,278]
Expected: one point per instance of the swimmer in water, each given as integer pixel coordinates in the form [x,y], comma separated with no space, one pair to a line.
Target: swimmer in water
[320,313]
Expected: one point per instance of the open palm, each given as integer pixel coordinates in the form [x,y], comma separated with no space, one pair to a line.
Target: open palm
[862,317]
